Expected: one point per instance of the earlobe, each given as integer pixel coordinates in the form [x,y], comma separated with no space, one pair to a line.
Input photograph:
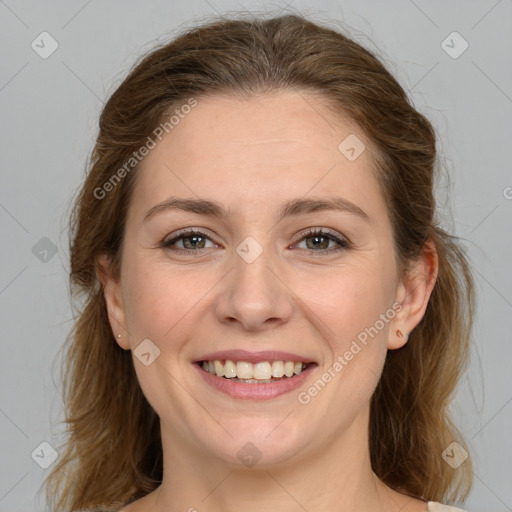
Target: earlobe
[413,293]
[114,302]
[400,334]
[397,338]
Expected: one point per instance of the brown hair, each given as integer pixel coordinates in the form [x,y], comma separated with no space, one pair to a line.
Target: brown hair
[113,453]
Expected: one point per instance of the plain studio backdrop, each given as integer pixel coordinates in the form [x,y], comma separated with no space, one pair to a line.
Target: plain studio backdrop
[60,62]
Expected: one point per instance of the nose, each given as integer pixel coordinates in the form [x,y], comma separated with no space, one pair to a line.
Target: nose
[254,296]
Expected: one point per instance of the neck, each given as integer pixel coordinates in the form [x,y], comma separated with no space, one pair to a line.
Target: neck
[336,476]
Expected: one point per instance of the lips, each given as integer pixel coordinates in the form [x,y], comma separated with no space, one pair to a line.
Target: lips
[259,391]
[252,389]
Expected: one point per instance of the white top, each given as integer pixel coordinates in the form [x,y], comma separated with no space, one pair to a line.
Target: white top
[434,506]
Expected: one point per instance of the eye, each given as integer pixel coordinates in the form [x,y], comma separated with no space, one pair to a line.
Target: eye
[191,240]
[320,240]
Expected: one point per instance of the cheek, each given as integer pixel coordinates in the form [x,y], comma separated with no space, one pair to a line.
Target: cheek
[155,299]
[345,308]
[161,300]
[355,307]
[349,300]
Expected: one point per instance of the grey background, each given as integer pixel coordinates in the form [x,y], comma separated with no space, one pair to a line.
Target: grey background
[49,113]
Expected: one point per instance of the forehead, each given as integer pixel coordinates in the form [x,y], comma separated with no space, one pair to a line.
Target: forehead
[283,123]
[267,148]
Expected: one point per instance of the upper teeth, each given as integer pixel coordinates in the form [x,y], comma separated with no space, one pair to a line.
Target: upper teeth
[260,371]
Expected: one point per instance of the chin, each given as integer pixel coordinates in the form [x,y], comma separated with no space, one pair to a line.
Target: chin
[262,447]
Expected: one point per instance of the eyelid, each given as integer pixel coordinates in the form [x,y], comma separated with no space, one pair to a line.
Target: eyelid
[343,242]
[322,231]
[189,231]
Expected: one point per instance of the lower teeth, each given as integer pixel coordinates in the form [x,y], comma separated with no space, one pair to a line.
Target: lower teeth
[254,381]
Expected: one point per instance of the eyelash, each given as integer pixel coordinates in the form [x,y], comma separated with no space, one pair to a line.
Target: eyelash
[343,243]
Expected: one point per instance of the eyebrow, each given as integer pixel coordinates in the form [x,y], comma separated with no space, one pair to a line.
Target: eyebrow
[294,207]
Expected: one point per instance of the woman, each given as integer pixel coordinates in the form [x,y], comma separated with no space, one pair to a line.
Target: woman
[272,318]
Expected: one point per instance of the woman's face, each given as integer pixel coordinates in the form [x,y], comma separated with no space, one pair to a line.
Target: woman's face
[255,280]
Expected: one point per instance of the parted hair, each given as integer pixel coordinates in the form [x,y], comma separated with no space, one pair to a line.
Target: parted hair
[112,454]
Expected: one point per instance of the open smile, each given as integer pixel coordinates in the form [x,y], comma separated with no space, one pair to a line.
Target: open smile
[259,381]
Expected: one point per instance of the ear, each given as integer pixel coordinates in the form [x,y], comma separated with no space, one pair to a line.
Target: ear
[413,293]
[114,301]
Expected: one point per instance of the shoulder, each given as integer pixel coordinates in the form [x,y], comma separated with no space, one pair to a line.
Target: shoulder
[434,506]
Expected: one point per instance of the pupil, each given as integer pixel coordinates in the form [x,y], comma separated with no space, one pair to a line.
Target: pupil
[317,238]
[194,238]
